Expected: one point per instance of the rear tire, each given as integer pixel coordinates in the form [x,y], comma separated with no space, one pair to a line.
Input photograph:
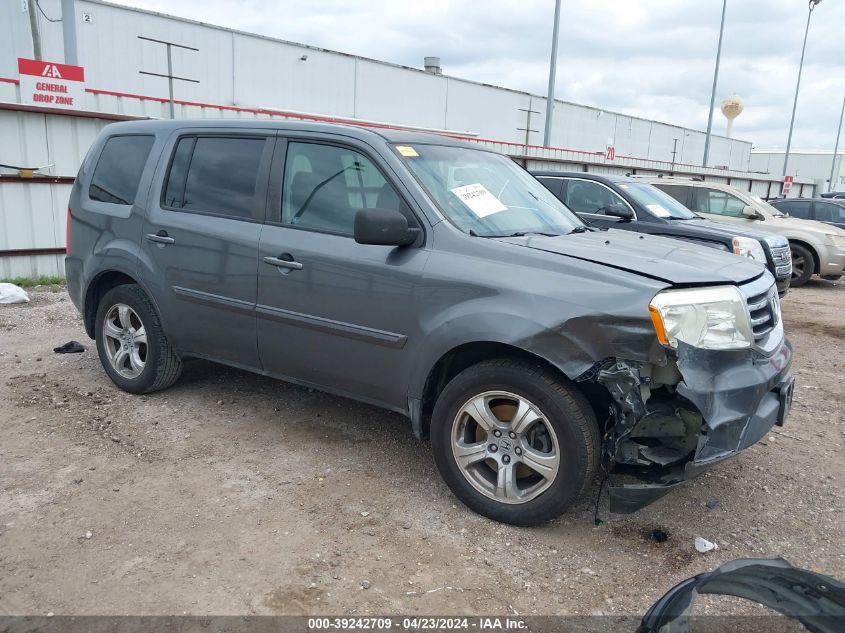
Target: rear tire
[131,344]
[546,451]
[803,264]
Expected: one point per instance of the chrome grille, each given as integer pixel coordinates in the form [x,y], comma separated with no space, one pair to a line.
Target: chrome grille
[782,258]
[764,309]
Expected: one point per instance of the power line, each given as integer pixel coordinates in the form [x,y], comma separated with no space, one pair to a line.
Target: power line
[37,4]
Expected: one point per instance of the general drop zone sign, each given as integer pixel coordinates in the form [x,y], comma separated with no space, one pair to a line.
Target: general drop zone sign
[51,84]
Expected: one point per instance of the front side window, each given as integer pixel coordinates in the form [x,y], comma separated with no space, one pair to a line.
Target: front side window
[216,175]
[119,169]
[718,202]
[829,212]
[326,185]
[583,196]
[795,208]
[657,201]
[486,194]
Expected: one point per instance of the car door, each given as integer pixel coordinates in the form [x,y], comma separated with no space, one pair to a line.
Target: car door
[830,212]
[716,204]
[332,312]
[589,199]
[200,241]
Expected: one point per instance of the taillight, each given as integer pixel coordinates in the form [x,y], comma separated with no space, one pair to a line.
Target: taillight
[67,233]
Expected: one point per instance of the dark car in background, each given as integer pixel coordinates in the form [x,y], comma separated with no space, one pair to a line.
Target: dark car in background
[838,195]
[828,210]
[622,202]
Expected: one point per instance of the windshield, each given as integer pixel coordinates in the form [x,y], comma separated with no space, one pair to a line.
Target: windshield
[487,194]
[769,208]
[659,203]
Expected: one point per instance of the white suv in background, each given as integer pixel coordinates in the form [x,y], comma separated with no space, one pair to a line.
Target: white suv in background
[817,248]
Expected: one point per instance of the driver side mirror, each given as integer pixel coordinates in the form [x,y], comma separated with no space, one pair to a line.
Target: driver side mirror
[751,213]
[619,210]
[383,227]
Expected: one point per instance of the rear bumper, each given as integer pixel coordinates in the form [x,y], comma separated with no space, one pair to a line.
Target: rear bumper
[73,274]
[740,395]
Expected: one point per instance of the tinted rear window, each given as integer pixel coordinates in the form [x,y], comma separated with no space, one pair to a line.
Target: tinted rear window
[215,175]
[118,171]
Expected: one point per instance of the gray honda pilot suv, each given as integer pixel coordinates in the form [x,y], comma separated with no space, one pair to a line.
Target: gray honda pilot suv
[433,278]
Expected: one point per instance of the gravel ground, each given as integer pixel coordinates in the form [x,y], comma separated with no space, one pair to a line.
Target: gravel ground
[231,493]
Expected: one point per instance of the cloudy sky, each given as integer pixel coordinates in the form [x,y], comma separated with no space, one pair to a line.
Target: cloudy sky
[651,58]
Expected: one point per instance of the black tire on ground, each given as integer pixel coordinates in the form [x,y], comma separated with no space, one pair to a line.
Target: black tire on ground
[162,366]
[566,409]
[803,264]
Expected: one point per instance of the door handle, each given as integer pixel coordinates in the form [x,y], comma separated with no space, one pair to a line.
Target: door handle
[285,260]
[160,238]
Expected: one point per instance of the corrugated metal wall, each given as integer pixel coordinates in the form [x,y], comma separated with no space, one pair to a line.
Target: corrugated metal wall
[252,71]
[33,212]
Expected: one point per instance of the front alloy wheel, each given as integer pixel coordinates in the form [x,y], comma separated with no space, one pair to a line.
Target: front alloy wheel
[514,440]
[505,447]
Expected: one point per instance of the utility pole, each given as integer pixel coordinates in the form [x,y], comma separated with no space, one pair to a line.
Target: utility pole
[713,91]
[169,76]
[674,151]
[33,26]
[528,129]
[812,6]
[836,148]
[69,32]
[550,98]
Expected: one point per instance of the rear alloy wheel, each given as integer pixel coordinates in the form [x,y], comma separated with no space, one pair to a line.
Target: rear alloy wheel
[125,341]
[132,347]
[513,441]
[803,265]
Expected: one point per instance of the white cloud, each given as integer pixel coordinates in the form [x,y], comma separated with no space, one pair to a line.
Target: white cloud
[652,58]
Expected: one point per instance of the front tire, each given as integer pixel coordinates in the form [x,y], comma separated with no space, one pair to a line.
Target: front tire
[131,345]
[803,265]
[514,442]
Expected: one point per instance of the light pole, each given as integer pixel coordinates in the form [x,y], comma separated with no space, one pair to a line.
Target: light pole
[713,92]
[812,5]
[550,99]
[836,147]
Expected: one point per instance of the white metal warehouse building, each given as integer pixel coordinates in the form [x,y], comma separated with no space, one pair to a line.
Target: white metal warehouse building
[246,75]
[813,165]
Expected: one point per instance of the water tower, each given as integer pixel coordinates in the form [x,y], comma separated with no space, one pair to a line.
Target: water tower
[732,107]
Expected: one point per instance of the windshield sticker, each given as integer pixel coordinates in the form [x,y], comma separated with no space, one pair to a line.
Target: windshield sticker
[407,150]
[480,201]
[659,210]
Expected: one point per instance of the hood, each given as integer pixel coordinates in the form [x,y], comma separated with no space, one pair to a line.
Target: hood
[731,230]
[668,260]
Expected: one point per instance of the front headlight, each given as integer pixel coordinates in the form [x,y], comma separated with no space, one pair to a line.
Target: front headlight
[708,318]
[838,240]
[749,247]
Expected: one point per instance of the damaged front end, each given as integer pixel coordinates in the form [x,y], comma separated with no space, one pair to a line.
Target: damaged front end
[668,423]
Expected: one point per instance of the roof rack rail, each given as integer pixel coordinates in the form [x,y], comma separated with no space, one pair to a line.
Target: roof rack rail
[669,177]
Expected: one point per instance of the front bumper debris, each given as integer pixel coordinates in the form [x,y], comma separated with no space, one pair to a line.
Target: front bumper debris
[816,601]
[718,404]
